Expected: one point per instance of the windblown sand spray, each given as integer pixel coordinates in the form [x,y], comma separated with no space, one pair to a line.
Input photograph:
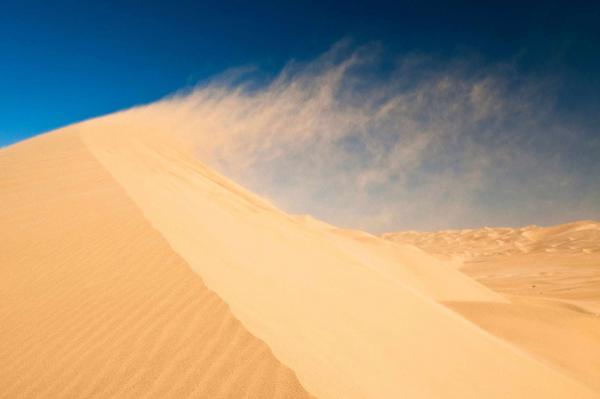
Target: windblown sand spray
[352,316]
[379,146]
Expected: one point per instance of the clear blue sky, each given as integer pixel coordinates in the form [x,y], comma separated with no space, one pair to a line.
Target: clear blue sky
[65,61]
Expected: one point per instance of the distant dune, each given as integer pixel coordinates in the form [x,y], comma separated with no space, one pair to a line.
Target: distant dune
[577,238]
[551,276]
[130,269]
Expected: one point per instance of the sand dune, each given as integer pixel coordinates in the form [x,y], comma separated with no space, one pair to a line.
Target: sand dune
[559,262]
[94,302]
[129,269]
[551,276]
[575,238]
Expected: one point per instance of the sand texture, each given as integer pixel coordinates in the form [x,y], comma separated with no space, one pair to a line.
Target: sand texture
[130,269]
[95,304]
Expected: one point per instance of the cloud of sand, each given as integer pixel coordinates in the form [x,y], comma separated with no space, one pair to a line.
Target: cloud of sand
[364,141]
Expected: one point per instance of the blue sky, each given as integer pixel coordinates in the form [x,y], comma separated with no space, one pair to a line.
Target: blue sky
[65,61]
[508,97]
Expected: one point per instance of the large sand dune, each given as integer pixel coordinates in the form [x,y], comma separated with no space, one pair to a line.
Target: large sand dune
[129,269]
[94,302]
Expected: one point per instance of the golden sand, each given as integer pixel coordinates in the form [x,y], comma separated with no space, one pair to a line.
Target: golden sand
[129,269]
[94,302]
[551,276]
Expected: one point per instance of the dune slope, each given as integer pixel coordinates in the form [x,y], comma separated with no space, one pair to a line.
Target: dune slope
[330,310]
[95,304]
[129,269]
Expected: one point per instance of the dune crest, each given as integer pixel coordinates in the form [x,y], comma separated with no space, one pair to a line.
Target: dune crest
[130,269]
[330,307]
[95,304]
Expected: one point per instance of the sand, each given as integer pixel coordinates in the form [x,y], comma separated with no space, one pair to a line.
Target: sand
[94,302]
[130,269]
[551,276]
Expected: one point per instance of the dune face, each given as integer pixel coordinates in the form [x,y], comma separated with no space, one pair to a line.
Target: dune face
[94,302]
[129,269]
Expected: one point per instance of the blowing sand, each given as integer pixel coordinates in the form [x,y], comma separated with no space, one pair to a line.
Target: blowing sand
[129,269]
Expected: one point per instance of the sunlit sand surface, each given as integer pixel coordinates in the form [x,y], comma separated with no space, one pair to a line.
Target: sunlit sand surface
[130,269]
[551,276]
[94,302]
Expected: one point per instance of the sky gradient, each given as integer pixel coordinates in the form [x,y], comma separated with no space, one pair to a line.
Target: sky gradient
[414,115]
